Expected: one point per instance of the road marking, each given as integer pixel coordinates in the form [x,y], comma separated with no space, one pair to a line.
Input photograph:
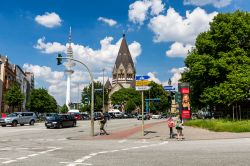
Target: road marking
[81,160]
[21,158]
[121,141]
[9,161]
[31,155]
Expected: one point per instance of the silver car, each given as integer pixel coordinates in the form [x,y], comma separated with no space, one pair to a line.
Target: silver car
[19,118]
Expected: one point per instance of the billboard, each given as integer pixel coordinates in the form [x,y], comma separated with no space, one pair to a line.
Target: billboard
[184,103]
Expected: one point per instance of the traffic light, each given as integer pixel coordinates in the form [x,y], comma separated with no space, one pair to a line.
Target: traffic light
[59,59]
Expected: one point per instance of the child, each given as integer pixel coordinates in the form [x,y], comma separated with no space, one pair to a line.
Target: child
[170,122]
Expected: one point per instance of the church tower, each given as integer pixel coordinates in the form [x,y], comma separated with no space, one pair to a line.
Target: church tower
[124,69]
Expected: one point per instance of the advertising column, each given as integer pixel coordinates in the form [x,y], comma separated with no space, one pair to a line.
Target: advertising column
[185,100]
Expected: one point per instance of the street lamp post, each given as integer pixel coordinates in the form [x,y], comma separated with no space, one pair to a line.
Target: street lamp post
[59,58]
[103,90]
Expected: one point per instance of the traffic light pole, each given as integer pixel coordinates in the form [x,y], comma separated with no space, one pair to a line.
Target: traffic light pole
[92,90]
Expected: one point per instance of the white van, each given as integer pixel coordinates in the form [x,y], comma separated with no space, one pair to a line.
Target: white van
[73,111]
[117,113]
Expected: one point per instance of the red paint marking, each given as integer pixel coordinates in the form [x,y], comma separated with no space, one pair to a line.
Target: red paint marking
[126,133]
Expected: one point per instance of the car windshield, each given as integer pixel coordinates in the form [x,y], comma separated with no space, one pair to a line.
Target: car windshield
[12,115]
[55,117]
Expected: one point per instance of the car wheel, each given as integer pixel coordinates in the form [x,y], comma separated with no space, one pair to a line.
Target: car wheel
[60,126]
[32,122]
[14,123]
[3,125]
[48,127]
[21,124]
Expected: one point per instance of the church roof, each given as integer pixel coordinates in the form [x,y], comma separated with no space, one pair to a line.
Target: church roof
[108,84]
[124,56]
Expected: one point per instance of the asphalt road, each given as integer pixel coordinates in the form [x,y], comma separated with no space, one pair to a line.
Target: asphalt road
[36,145]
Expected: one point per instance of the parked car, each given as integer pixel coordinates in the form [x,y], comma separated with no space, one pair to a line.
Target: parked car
[77,116]
[146,116]
[19,118]
[60,121]
[97,115]
[156,116]
[85,116]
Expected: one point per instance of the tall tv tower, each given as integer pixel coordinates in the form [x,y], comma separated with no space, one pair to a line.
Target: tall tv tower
[69,71]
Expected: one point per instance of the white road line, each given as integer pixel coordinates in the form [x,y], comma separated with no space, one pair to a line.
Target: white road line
[121,141]
[81,160]
[32,155]
[9,161]
[21,158]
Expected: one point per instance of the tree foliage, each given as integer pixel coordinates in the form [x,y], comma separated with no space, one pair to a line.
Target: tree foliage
[41,101]
[64,109]
[157,91]
[98,96]
[14,97]
[127,96]
[219,65]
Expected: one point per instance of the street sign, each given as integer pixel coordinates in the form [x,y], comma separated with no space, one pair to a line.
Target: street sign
[142,77]
[142,88]
[142,83]
[169,88]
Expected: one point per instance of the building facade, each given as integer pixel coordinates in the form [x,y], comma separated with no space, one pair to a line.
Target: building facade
[13,74]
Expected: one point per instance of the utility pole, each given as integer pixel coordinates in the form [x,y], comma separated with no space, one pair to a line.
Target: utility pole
[103,109]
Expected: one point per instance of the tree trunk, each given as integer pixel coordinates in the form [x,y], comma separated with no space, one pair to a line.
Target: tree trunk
[240,111]
[233,112]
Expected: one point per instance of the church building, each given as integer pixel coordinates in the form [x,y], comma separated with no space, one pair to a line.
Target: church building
[123,74]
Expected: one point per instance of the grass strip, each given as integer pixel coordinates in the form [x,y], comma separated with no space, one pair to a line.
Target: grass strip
[221,125]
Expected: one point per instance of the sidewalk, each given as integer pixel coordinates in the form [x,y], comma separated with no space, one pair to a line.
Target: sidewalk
[161,132]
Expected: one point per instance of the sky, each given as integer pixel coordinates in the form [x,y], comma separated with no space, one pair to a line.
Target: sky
[159,34]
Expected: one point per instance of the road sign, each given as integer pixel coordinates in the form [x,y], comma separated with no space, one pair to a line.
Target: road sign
[169,88]
[142,77]
[142,83]
[142,88]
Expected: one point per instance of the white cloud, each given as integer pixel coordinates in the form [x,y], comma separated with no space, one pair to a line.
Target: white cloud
[55,81]
[178,50]
[138,10]
[49,48]
[215,3]
[174,28]
[110,22]
[95,59]
[49,20]
[177,75]
[153,78]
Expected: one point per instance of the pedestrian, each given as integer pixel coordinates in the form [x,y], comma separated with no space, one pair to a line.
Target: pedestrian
[103,121]
[179,128]
[170,122]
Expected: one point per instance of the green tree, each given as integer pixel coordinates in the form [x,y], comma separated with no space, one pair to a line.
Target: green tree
[127,96]
[157,91]
[41,101]
[14,97]
[219,65]
[98,96]
[64,109]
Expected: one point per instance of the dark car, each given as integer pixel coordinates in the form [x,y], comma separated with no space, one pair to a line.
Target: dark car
[60,121]
[85,116]
[97,115]
[146,116]
[107,116]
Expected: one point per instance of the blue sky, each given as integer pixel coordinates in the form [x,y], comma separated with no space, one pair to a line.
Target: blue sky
[159,34]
